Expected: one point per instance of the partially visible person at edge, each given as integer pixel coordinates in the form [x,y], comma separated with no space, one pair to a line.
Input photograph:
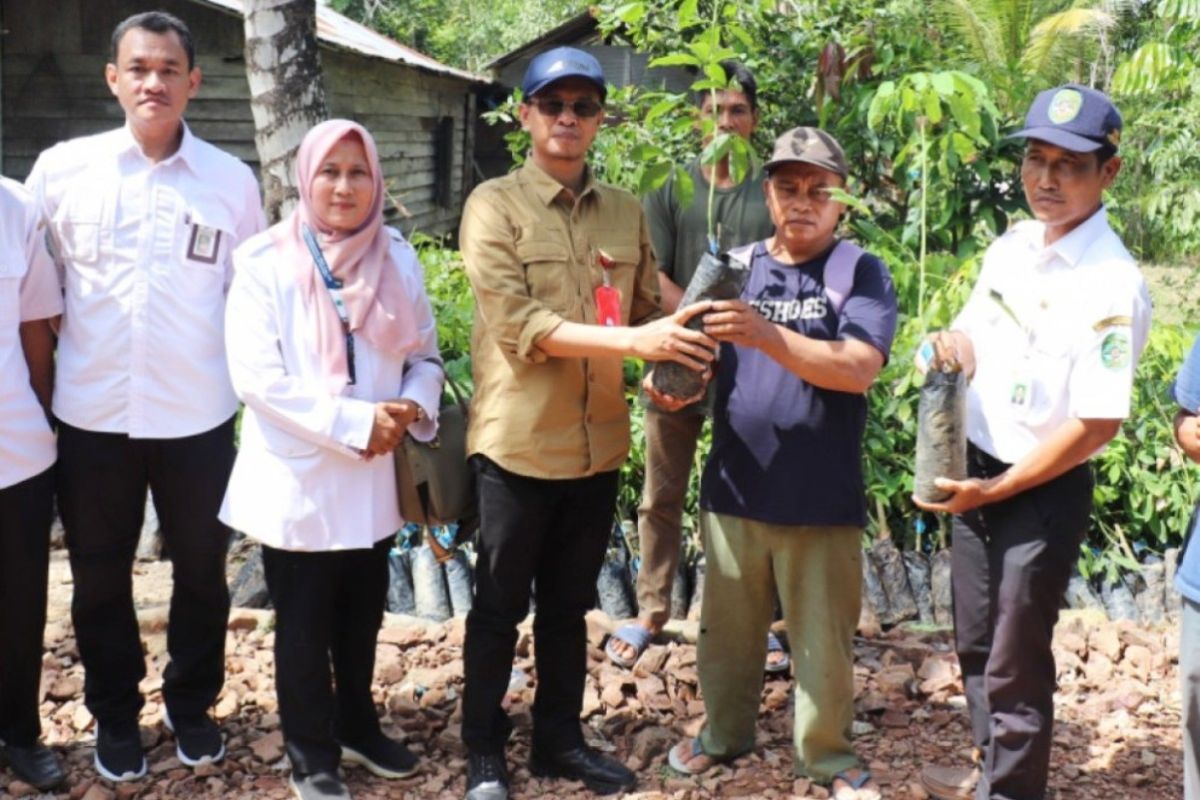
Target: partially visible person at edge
[680,237]
[333,349]
[143,220]
[784,505]
[549,425]
[30,303]
[1187,578]
[1049,340]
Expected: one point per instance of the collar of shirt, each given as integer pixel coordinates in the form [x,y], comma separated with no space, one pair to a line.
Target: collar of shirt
[187,153]
[548,190]
[1070,248]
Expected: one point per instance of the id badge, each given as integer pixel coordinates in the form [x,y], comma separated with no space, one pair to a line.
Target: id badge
[1020,391]
[608,306]
[204,243]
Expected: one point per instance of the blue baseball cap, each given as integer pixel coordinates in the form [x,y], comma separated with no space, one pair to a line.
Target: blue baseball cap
[562,62]
[1073,117]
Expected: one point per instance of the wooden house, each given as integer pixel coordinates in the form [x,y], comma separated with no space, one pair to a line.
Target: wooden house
[421,112]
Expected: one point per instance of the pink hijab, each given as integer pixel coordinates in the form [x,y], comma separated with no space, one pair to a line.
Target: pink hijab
[379,308]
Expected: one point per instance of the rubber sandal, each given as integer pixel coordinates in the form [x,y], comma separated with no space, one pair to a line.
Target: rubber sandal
[776,646]
[635,636]
[698,761]
[855,784]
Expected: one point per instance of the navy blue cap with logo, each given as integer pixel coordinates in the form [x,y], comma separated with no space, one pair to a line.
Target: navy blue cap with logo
[1073,117]
[558,63]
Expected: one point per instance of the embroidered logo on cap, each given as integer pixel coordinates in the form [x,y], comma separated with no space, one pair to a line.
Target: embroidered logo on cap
[1114,350]
[1064,106]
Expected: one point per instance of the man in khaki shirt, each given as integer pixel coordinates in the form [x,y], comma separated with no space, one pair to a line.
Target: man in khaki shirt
[549,427]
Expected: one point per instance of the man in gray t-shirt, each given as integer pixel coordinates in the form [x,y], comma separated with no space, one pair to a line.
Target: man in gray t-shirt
[680,237]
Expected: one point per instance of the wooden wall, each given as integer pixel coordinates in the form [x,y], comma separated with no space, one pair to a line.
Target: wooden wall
[52,85]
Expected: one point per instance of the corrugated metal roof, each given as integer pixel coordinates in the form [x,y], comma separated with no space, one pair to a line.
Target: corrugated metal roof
[338,31]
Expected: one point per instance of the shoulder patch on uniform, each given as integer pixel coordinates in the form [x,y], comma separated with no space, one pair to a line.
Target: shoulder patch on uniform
[1121,320]
[1115,350]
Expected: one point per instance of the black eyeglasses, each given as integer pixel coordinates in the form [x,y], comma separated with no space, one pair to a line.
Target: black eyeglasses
[553,107]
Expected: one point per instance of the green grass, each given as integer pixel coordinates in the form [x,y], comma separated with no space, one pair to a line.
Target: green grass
[1175,292]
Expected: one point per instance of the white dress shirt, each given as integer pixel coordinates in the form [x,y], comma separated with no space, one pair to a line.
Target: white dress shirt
[28,291]
[144,251]
[300,481]
[1057,332]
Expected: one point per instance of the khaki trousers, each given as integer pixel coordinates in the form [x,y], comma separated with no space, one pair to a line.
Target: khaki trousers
[818,571]
[670,447]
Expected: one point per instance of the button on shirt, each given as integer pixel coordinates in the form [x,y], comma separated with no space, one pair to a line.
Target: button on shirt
[28,291]
[144,255]
[1057,332]
[527,243]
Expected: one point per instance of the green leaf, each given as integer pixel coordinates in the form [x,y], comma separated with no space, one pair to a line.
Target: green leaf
[654,175]
[661,107]
[676,60]
[943,83]
[684,187]
[687,16]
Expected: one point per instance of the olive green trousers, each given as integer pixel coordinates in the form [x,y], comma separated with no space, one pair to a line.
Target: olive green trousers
[818,571]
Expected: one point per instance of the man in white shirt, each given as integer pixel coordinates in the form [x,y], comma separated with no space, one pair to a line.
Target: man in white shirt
[143,220]
[1050,339]
[29,300]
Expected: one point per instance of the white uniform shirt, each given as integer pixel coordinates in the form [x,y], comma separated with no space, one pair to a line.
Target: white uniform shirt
[300,482]
[28,291]
[145,251]
[1057,333]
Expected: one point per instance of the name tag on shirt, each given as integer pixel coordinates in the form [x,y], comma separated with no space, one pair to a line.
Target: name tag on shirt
[204,244]
[1020,393]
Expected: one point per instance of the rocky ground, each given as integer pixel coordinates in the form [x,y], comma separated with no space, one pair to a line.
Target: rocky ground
[1117,734]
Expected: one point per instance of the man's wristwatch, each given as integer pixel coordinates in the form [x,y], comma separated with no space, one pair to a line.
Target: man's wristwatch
[421,415]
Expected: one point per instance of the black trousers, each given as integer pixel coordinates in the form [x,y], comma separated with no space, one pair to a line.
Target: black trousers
[328,606]
[552,533]
[102,483]
[26,510]
[1011,564]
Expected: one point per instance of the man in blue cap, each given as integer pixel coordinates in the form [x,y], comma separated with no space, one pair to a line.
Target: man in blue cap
[1049,339]
[565,287]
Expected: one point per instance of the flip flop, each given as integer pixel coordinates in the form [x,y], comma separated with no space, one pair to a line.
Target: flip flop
[776,646]
[698,762]
[635,636]
[855,784]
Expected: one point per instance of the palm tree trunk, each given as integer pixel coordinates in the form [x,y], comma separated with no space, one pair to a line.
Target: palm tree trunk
[287,95]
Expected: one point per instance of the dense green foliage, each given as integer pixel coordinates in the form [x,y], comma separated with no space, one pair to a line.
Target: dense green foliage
[463,33]
[921,94]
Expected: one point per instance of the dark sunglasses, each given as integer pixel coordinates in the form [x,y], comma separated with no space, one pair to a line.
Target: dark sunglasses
[553,107]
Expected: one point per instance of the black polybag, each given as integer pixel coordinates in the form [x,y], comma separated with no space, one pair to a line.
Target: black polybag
[717,278]
[941,433]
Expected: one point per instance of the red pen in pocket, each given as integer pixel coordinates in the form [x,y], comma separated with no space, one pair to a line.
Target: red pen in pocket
[608,297]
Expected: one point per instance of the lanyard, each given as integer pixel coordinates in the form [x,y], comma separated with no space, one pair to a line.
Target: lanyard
[335,292]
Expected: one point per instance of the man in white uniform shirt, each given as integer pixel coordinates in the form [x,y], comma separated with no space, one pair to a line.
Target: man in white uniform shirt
[29,300]
[1050,338]
[143,220]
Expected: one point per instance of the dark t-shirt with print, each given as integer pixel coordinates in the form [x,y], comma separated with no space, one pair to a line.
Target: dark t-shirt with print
[784,451]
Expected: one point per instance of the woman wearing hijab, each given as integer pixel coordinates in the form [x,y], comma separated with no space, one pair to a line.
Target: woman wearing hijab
[333,348]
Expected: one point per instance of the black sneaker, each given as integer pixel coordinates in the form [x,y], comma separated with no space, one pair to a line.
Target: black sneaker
[382,756]
[35,765]
[487,777]
[119,755]
[319,786]
[197,739]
